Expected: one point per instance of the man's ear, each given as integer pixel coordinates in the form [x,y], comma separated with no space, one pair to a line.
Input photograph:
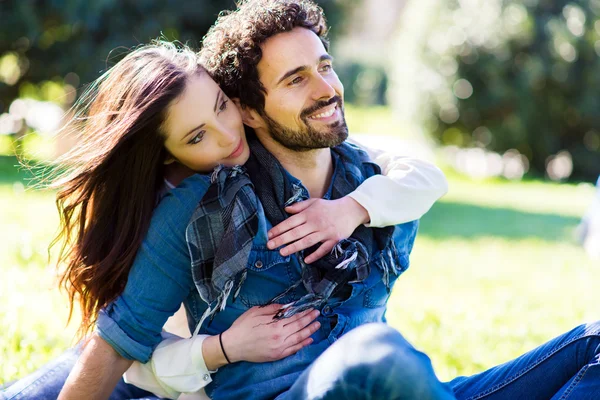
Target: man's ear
[250,117]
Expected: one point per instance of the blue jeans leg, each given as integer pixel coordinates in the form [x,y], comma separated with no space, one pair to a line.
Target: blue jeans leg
[372,361]
[567,367]
[47,382]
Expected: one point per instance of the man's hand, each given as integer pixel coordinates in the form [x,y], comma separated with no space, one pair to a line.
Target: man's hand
[317,221]
[97,372]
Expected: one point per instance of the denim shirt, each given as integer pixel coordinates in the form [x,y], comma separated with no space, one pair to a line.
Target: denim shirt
[161,280]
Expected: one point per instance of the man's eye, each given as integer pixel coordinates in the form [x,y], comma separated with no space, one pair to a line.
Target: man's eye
[327,67]
[296,80]
[197,138]
[223,105]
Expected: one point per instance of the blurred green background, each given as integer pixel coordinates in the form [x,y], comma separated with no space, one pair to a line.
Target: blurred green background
[502,94]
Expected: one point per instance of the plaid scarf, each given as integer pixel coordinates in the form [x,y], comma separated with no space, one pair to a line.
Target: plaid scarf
[227,215]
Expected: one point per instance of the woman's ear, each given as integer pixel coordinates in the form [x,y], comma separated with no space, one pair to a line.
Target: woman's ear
[169,160]
[250,117]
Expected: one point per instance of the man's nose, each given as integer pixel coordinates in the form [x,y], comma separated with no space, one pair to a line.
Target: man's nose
[323,90]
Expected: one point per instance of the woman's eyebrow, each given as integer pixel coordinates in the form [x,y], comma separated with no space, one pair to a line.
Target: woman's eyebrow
[219,94]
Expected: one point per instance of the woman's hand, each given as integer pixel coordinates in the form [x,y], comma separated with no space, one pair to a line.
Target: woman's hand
[317,221]
[256,337]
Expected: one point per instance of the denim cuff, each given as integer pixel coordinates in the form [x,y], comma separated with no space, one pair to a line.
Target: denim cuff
[112,333]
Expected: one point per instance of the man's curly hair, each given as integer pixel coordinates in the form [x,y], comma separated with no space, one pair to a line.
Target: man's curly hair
[231,48]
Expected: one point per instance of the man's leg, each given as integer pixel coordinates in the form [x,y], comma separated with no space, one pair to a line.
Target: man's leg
[47,382]
[566,367]
[372,361]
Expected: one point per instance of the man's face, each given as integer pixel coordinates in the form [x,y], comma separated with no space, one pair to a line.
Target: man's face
[304,100]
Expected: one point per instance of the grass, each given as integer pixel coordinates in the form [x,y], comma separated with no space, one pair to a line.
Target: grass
[495,271]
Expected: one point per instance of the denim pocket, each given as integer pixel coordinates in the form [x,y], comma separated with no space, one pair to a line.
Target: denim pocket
[377,293]
[376,296]
[269,274]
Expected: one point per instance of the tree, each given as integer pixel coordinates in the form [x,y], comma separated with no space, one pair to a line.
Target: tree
[70,42]
[508,74]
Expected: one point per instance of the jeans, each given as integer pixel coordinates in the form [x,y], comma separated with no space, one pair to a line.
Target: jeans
[374,361]
[47,382]
[565,368]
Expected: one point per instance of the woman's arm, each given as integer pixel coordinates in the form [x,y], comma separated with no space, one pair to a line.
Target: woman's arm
[130,327]
[405,191]
[184,365]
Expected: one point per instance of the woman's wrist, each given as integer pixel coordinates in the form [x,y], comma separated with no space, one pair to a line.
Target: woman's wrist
[356,210]
[211,351]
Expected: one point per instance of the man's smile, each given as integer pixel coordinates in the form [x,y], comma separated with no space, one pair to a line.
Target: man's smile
[325,113]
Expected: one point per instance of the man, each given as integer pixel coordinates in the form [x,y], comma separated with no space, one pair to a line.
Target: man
[272,56]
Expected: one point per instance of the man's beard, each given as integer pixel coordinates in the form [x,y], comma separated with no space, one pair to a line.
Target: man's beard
[308,138]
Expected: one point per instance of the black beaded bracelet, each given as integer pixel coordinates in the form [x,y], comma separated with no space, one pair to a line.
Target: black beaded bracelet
[223,349]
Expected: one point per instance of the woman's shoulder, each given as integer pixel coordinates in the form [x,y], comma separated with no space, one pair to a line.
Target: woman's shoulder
[179,203]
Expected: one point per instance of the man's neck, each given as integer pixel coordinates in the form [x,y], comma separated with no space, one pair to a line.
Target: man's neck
[314,167]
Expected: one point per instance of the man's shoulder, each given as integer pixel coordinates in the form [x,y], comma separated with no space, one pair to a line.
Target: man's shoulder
[355,151]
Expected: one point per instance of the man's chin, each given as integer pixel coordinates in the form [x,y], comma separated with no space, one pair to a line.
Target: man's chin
[335,129]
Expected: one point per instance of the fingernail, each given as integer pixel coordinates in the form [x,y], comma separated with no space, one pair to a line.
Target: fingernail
[269,235]
[283,252]
[270,244]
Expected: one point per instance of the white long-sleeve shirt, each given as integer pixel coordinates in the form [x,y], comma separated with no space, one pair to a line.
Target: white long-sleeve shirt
[405,191]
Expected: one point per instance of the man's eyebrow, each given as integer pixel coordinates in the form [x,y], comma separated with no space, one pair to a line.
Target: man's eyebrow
[192,131]
[325,57]
[302,68]
[292,72]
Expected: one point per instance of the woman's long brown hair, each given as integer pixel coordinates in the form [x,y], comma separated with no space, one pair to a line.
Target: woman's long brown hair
[111,179]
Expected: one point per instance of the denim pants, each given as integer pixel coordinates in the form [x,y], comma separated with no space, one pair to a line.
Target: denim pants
[47,382]
[374,361]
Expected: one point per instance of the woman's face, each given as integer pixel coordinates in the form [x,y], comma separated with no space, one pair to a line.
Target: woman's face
[204,127]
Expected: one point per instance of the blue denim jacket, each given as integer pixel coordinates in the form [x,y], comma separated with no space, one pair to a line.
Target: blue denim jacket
[161,280]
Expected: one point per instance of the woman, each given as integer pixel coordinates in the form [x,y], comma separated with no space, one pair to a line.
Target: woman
[155,119]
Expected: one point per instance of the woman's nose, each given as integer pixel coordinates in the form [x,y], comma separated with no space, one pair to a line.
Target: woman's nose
[228,137]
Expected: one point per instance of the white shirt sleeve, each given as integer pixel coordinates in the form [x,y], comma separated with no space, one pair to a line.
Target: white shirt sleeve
[405,191]
[177,366]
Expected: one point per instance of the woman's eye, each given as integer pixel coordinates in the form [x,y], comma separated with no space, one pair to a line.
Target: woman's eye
[223,105]
[327,67]
[197,138]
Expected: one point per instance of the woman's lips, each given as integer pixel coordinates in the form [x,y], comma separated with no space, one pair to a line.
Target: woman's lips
[238,150]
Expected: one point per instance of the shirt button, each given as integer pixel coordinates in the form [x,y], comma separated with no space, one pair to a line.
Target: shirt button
[326,310]
[258,264]
[206,377]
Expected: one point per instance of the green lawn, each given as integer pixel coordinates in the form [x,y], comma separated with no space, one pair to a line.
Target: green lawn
[495,271]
